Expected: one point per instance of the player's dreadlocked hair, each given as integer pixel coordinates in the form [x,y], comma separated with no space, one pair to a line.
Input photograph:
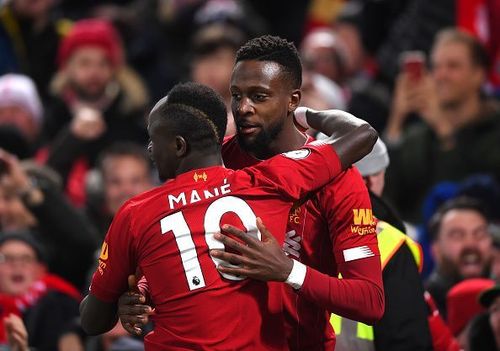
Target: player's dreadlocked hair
[275,49]
[195,111]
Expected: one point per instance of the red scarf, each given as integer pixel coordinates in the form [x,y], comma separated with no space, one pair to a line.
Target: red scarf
[21,303]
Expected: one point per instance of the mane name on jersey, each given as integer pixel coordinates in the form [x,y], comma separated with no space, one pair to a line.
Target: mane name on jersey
[190,197]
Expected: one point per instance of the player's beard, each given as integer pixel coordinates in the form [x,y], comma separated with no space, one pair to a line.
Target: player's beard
[259,146]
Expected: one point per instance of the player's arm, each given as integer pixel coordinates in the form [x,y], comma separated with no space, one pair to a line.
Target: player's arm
[351,137]
[359,295]
[97,316]
[117,261]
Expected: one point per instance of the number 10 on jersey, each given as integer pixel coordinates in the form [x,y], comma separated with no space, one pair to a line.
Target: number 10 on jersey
[177,224]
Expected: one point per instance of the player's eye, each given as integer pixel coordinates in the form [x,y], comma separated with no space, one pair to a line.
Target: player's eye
[260,97]
[236,96]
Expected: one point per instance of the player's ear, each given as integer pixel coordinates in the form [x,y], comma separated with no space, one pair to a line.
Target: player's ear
[181,146]
[294,101]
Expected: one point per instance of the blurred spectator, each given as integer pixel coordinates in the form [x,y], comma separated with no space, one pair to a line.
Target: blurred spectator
[462,303]
[395,26]
[323,52]
[97,101]
[482,18]
[21,108]
[404,324]
[485,329]
[31,199]
[45,302]
[442,339]
[148,43]
[461,246]
[481,187]
[117,339]
[124,170]
[320,93]
[495,263]
[372,167]
[213,55]
[369,99]
[460,129]
[29,37]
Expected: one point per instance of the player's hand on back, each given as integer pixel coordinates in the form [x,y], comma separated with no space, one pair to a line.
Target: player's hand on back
[132,309]
[258,259]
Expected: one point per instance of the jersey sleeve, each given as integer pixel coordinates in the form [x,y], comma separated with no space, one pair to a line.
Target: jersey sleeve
[358,295]
[296,173]
[117,259]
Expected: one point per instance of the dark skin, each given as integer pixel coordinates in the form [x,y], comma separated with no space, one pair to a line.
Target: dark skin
[260,259]
[263,98]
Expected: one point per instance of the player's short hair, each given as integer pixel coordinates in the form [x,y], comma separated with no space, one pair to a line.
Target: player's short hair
[195,111]
[459,203]
[274,49]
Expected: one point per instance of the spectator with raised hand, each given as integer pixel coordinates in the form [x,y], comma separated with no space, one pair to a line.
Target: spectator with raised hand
[17,335]
[97,100]
[31,199]
[460,128]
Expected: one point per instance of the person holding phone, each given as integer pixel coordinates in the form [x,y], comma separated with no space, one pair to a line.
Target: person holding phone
[459,128]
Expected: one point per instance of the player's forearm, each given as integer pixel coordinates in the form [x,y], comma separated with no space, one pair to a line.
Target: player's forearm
[352,138]
[97,317]
[356,299]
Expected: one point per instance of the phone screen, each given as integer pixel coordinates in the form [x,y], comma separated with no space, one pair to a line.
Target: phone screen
[412,63]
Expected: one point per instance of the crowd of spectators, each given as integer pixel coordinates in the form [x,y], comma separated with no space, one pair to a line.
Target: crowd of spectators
[78,78]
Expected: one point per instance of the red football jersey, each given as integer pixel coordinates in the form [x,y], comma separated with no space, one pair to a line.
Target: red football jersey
[332,232]
[167,233]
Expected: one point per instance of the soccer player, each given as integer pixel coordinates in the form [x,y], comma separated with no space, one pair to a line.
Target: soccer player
[332,232]
[168,232]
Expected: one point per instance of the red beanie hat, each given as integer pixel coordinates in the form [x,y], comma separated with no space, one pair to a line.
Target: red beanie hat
[463,304]
[91,32]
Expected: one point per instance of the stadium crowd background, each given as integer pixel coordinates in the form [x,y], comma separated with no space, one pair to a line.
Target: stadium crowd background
[77,79]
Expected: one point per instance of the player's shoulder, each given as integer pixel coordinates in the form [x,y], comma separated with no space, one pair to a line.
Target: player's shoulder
[347,182]
[143,198]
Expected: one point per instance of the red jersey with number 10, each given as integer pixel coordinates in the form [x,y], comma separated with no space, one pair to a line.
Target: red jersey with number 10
[167,233]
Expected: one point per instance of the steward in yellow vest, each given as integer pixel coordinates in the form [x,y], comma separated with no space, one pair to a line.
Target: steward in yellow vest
[404,325]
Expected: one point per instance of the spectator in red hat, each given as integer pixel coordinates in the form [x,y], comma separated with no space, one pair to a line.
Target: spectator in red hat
[463,305]
[97,101]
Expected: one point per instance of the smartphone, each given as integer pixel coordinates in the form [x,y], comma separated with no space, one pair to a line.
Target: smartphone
[413,64]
